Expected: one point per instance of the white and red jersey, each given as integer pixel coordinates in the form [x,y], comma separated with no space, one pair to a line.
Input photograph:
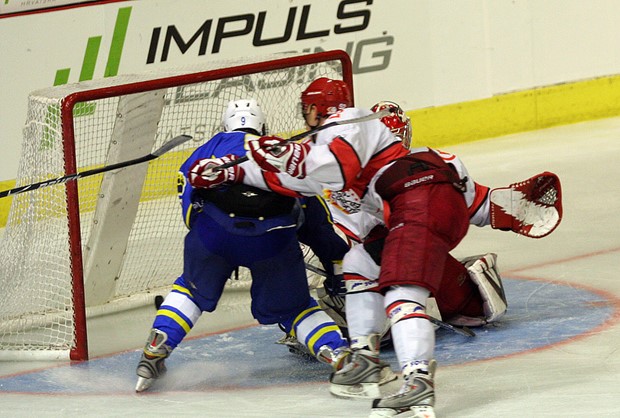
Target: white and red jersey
[342,161]
[344,158]
[343,165]
[359,224]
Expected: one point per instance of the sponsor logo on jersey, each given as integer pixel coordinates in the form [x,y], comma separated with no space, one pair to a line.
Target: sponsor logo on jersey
[296,162]
[346,200]
[414,182]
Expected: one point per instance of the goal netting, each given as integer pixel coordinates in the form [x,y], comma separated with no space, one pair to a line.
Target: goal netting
[112,241]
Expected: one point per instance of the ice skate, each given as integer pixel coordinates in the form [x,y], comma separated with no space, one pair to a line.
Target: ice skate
[295,347]
[337,358]
[415,399]
[361,377]
[484,273]
[152,366]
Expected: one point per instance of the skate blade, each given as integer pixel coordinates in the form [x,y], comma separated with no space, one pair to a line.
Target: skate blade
[414,412]
[143,384]
[359,391]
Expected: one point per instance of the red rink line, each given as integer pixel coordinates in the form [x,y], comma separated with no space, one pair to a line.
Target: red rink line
[564,260]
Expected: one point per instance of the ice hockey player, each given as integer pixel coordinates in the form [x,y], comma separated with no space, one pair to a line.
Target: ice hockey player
[261,235]
[471,291]
[350,160]
[429,196]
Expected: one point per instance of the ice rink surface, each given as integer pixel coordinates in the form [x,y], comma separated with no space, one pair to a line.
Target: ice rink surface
[556,353]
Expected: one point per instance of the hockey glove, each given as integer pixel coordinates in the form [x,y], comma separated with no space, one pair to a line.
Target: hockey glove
[274,154]
[205,173]
[532,207]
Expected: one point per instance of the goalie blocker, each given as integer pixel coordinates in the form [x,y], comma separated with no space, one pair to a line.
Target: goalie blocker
[532,207]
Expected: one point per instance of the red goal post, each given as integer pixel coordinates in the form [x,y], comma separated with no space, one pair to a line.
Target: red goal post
[114,240]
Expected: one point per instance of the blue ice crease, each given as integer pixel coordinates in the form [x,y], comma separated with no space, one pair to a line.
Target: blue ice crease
[539,314]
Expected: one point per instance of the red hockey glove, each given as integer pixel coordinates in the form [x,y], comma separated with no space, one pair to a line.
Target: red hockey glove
[532,207]
[205,174]
[274,154]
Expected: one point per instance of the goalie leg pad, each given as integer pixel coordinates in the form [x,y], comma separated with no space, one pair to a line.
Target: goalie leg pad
[484,273]
[334,306]
[532,208]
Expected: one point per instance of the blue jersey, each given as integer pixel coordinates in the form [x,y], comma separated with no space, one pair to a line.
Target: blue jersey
[223,143]
[223,236]
[221,240]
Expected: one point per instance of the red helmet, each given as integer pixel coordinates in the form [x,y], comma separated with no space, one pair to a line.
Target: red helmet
[398,122]
[329,96]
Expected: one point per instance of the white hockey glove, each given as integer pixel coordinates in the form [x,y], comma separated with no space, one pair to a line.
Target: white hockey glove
[205,173]
[274,154]
[532,207]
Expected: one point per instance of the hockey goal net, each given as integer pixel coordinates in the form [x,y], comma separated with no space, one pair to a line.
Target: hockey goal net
[113,241]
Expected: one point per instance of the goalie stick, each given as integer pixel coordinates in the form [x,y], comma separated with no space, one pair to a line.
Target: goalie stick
[173,143]
[372,116]
[462,330]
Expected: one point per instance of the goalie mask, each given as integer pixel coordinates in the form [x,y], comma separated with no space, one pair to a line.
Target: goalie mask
[329,96]
[244,115]
[398,122]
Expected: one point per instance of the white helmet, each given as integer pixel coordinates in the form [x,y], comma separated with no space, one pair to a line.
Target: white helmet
[244,114]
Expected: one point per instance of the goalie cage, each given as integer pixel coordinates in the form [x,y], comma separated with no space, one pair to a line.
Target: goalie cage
[113,241]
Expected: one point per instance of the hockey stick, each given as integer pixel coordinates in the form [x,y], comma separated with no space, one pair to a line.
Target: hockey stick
[372,116]
[174,142]
[467,332]
[316,270]
[459,330]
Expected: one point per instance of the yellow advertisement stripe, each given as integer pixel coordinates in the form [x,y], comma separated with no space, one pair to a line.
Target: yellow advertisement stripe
[521,111]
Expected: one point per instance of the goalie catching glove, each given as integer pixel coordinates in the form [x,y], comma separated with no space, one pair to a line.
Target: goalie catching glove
[532,207]
[274,154]
[206,173]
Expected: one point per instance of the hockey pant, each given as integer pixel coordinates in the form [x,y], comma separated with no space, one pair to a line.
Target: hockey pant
[279,288]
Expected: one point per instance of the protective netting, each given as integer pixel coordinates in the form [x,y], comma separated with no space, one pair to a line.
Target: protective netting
[37,279]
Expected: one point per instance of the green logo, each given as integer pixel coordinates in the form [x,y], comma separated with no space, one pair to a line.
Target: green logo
[92,52]
[52,118]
